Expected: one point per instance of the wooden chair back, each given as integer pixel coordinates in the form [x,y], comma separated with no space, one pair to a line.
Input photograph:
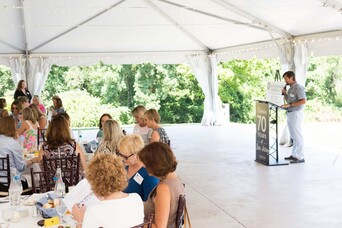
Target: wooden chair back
[70,166]
[180,211]
[146,224]
[5,174]
[41,136]
[42,181]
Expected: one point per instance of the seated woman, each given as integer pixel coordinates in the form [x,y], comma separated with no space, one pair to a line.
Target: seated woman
[160,162]
[57,106]
[59,142]
[107,177]
[3,111]
[140,128]
[24,101]
[139,181]
[28,129]
[15,109]
[39,116]
[158,134]
[36,100]
[111,135]
[103,119]
[9,145]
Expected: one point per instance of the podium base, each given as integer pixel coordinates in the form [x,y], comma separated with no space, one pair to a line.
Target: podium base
[273,163]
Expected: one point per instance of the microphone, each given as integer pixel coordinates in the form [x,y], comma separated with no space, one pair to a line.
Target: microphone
[283,93]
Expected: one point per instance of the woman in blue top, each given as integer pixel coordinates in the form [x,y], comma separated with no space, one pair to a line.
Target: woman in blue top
[139,180]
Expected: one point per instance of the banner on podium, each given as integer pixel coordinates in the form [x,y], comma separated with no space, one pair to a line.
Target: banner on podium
[262,132]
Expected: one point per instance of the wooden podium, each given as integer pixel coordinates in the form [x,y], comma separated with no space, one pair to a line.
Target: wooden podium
[267,134]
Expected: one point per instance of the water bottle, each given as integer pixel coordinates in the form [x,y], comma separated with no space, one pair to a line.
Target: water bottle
[59,184]
[80,140]
[14,191]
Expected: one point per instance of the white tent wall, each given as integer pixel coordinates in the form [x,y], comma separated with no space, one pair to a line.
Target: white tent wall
[83,32]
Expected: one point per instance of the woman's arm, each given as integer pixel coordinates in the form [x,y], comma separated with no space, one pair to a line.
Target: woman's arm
[155,137]
[77,213]
[82,158]
[23,128]
[42,122]
[162,203]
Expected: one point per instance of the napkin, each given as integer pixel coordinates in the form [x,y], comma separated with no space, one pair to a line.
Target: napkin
[46,212]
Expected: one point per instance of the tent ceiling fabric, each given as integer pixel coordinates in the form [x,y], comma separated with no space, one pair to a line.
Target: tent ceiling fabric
[164,31]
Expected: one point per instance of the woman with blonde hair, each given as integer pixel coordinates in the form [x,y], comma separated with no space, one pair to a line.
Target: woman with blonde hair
[28,129]
[59,142]
[140,128]
[107,178]
[112,133]
[139,181]
[36,100]
[158,134]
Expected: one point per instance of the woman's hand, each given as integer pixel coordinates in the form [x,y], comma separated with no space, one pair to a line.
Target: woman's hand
[77,213]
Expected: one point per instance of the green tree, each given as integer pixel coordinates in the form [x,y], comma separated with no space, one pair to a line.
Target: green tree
[6,81]
[242,81]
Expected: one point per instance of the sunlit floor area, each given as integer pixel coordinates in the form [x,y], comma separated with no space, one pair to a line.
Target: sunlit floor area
[225,187]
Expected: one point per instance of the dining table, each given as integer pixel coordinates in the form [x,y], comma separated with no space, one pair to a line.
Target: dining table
[28,210]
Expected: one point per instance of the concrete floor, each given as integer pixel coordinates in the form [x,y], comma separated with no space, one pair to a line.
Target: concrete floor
[225,187]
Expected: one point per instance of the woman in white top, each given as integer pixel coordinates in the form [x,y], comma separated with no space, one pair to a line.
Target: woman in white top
[141,128]
[108,177]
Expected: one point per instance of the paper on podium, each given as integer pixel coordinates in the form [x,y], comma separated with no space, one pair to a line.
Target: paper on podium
[80,194]
[273,93]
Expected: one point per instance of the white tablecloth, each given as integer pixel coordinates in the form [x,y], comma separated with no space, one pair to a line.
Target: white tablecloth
[29,221]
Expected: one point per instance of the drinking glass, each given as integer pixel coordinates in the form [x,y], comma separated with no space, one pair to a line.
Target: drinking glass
[61,209]
[93,147]
[7,215]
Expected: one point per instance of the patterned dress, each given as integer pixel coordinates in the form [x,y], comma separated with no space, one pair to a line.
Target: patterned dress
[164,138]
[30,138]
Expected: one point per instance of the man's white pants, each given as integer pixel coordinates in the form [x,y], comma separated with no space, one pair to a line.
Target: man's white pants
[295,124]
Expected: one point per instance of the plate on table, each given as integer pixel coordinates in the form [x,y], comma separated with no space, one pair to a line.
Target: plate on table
[4,199]
[32,199]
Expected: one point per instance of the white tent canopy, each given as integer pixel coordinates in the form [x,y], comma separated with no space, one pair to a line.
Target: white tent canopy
[83,32]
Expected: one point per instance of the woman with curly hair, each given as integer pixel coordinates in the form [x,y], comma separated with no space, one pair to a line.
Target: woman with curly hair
[160,162]
[107,176]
